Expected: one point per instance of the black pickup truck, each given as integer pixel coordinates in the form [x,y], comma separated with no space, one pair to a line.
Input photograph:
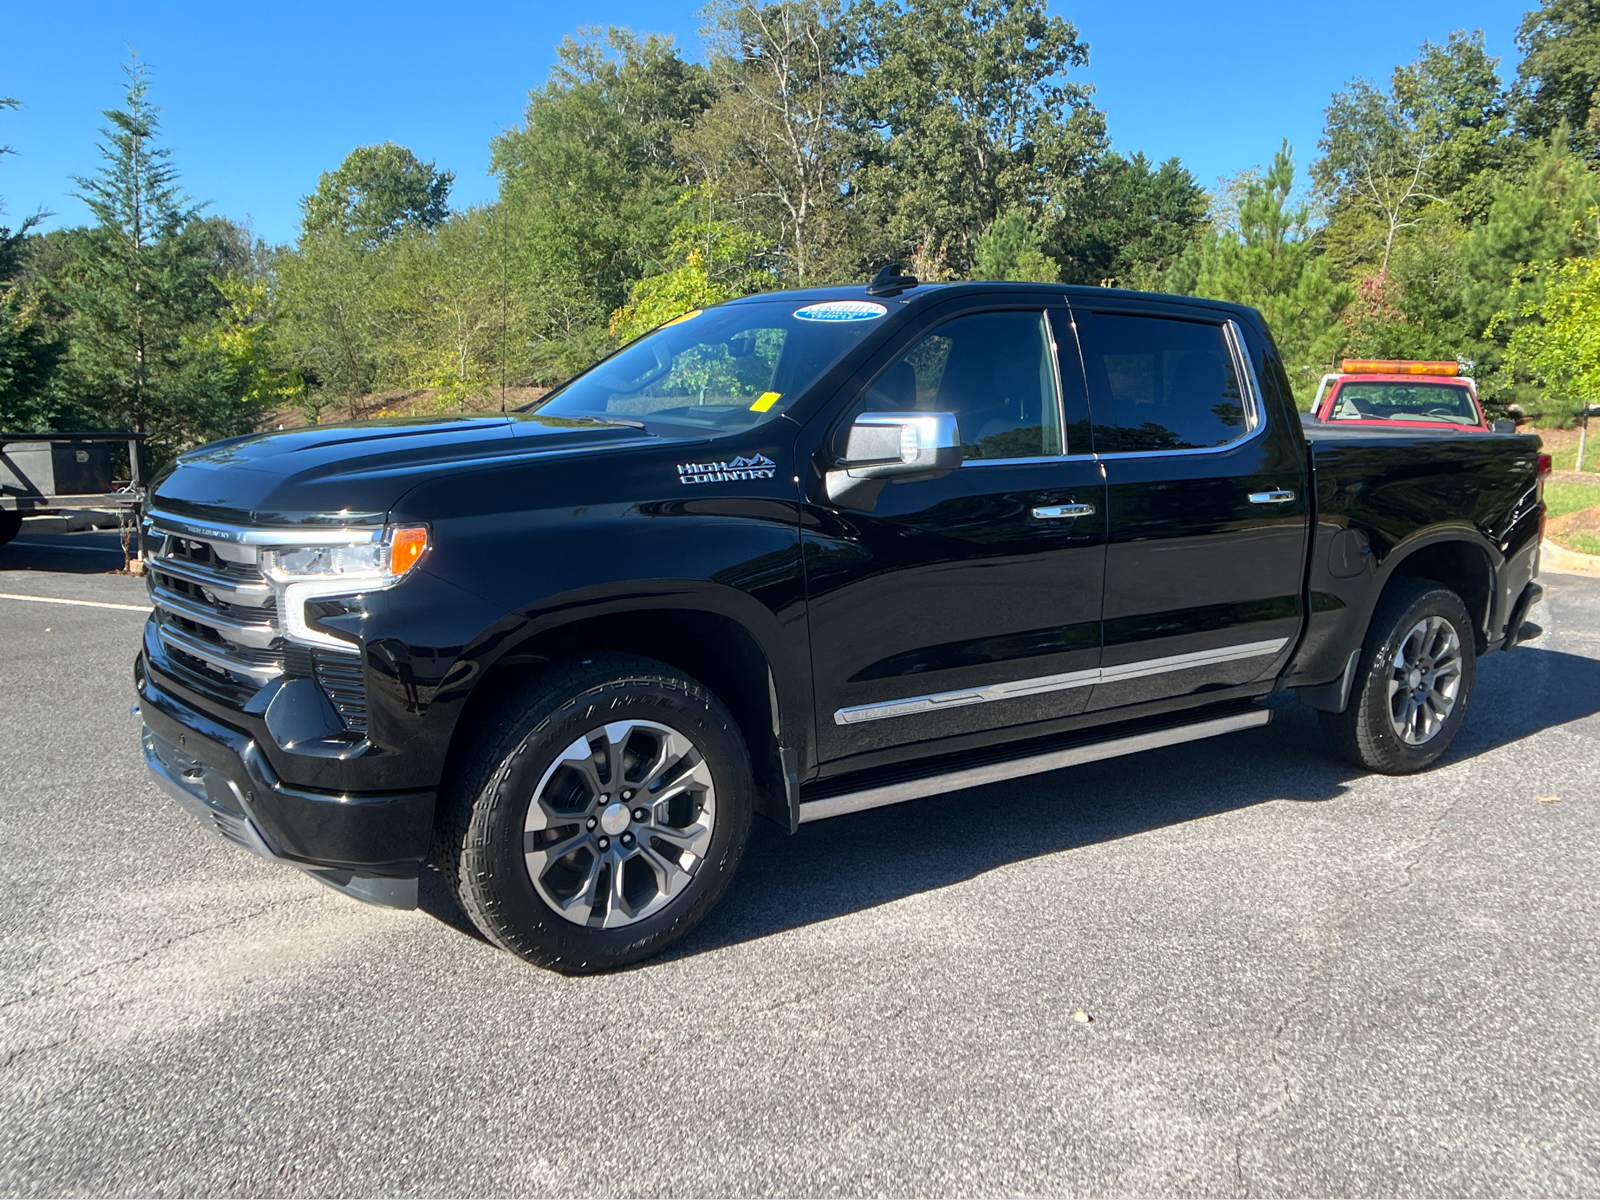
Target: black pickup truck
[799,555]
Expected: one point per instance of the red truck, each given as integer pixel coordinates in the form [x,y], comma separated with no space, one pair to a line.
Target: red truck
[1399,392]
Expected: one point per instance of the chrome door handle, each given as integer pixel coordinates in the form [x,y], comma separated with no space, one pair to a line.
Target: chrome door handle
[1279,497]
[1063,512]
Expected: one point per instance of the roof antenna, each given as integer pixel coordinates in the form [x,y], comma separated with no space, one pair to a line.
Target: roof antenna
[891,281]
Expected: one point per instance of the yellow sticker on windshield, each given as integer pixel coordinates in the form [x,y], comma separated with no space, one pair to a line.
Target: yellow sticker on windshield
[765,401]
[693,312]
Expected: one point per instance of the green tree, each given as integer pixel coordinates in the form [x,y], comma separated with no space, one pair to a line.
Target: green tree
[1558,343]
[589,183]
[1010,249]
[965,110]
[1128,222]
[139,291]
[772,139]
[1560,71]
[376,193]
[449,307]
[29,349]
[331,337]
[1537,216]
[1268,258]
[710,260]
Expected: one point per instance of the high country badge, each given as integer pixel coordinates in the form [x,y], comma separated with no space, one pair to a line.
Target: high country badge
[737,471]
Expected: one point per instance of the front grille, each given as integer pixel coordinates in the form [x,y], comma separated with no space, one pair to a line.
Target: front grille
[215,612]
[219,622]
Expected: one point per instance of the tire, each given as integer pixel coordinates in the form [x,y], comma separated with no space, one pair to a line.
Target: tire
[10,524]
[541,850]
[1414,682]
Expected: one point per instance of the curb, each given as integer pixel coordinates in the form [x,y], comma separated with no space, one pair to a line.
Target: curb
[1558,558]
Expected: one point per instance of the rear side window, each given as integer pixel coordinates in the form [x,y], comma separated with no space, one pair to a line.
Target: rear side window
[1156,383]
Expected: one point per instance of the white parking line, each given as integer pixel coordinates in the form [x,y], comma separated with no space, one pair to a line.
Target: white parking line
[79,549]
[143,608]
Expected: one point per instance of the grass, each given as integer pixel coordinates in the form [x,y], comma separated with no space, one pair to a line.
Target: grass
[1563,498]
[1562,447]
[1583,543]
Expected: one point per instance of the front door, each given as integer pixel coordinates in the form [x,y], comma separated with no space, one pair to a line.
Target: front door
[1207,516]
[969,602]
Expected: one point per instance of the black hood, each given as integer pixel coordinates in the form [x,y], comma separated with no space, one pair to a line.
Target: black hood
[361,469]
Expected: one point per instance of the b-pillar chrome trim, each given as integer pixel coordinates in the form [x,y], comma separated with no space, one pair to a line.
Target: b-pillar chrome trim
[1041,684]
[894,793]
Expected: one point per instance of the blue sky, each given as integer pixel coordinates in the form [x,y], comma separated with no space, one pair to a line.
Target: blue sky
[260,98]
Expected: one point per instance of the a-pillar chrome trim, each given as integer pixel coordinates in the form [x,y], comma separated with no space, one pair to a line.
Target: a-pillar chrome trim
[894,793]
[934,702]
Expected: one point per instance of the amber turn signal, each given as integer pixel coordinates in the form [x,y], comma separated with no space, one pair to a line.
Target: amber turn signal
[406,545]
[1397,366]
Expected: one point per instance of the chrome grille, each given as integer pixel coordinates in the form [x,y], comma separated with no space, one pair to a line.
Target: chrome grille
[215,611]
[218,617]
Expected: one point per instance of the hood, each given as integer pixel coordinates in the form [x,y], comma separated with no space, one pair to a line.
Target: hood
[360,469]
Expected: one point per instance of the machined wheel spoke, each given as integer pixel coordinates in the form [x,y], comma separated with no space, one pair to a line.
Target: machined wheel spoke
[579,906]
[696,839]
[618,911]
[670,877]
[694,776]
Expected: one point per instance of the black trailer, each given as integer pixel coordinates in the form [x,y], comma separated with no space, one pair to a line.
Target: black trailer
[43,473]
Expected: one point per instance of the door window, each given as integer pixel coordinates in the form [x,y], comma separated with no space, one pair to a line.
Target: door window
[994,371]
[1162,384]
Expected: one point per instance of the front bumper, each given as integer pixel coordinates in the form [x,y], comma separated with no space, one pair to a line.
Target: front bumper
[368,846]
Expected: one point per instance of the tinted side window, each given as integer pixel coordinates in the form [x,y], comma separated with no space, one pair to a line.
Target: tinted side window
[1161,384]
[994,371]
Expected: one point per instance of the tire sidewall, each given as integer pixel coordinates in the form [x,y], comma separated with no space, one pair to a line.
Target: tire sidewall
[1395,753]
[522,921]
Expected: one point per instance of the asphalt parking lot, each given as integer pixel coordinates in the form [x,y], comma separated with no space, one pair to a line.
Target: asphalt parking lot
[1299,980]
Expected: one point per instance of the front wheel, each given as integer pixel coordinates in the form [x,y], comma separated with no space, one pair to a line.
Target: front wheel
[600,816]
[1413,685]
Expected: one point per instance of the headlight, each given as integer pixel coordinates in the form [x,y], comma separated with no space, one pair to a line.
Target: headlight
[373,564]
[309,572]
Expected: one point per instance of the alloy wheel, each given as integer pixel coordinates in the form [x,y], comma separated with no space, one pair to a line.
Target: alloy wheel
[1424,680]
[619,824]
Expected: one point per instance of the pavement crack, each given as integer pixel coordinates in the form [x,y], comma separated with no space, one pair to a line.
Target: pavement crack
[167,944]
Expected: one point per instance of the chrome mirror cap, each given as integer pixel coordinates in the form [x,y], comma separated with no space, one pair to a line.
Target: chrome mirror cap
[903,446]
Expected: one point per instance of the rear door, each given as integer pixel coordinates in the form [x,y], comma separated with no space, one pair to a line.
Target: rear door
[970,602]
[1207,512]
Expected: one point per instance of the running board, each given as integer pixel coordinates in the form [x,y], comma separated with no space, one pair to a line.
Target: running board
[914,789]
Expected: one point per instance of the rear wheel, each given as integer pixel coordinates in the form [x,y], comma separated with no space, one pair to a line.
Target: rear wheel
[600,817]
[1415,679]
[10,524]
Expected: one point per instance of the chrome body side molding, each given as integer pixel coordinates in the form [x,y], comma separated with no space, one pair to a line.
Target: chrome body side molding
[911,705]
[894,793]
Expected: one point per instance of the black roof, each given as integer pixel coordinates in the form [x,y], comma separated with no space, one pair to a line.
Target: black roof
[1084,292]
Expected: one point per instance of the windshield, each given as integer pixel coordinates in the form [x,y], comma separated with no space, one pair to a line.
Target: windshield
[725,369]
[1450,403]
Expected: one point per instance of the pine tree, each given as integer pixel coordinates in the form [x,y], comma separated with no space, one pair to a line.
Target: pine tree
[1010,249]
[1268,258]
[140,290]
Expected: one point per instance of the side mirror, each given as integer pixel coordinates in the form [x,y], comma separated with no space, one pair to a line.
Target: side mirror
[1504,426]
[893,446]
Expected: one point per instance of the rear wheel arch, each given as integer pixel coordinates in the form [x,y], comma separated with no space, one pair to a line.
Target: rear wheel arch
[1458,563]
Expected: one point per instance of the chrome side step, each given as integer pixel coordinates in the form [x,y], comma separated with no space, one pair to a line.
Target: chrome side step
[913,789]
